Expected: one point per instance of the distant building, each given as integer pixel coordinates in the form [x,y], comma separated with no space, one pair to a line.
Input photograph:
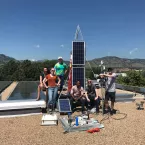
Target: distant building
[122,74]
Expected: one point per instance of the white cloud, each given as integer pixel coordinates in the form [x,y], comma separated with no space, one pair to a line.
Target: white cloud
[133,50]
[37,46]
[62,46]
[33,60]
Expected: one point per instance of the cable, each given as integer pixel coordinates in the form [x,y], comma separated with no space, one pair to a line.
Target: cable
[105,118]
[90,67]
[125,115]
[110,116]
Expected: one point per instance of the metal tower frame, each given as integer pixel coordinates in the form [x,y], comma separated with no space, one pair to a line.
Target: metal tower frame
[78,32]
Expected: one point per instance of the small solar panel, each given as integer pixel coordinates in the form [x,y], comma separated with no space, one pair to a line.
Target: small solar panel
[78,53]
[79,75]
[64,105]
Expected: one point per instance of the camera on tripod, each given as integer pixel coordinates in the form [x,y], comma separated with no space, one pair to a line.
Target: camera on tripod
[101,81]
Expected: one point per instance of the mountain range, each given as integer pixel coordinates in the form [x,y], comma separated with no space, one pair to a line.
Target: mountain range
[109,61]
[4,59]
[116,62]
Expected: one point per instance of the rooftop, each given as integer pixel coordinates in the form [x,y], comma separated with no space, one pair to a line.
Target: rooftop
[28,131]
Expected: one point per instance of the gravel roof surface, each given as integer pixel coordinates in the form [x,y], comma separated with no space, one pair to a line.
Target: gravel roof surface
[28,131]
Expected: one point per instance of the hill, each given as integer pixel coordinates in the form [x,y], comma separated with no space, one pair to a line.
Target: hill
[116,62]
[4,59]
[109,61]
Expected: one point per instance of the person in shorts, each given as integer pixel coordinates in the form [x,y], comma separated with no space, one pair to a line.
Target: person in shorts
[110,90]
[41,86]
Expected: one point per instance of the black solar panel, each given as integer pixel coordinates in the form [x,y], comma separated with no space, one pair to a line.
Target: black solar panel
[79,75]
[64,105]
[78,53]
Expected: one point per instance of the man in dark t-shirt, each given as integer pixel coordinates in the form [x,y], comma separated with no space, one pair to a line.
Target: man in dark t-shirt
[41,85]
[92,92]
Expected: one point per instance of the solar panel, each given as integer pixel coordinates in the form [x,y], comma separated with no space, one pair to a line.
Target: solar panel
[78,53]
[26,90]
[64,105]
[79,75]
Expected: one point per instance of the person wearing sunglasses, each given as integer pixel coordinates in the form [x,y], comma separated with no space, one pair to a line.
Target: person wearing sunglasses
[93,95]
[53,83]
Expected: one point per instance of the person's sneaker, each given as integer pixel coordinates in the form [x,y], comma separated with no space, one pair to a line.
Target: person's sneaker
[44,110]
[93,110]
[106,111]
[114,111]
[97,112]
[49,110]
[56,110]
[111,113]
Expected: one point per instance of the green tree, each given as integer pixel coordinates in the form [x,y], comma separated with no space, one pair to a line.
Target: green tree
[91,71]
[9,69]
[133,78]
[18,75]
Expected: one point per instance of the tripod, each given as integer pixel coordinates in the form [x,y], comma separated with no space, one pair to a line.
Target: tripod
[103,92]
[103,98]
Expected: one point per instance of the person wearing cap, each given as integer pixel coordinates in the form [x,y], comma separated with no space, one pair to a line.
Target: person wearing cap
[60,70]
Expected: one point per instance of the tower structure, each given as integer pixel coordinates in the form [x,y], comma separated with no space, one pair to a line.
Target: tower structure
[78,58]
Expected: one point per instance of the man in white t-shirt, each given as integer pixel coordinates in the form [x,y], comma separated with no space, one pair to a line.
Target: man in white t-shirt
[78,95]
[110,90]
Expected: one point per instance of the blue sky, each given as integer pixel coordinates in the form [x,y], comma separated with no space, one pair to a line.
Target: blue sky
[44,29]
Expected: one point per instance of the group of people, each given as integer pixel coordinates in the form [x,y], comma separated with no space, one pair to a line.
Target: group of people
[51,80]
[94,93]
